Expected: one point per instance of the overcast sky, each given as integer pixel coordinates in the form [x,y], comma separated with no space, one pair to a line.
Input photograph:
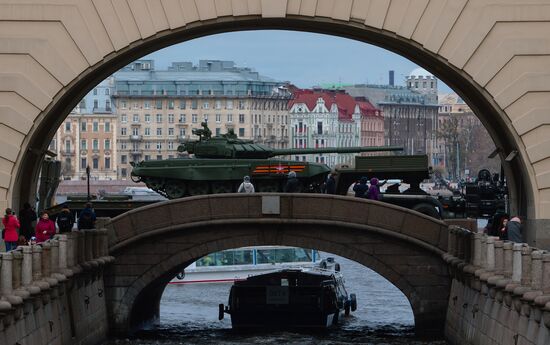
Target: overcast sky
[305,59]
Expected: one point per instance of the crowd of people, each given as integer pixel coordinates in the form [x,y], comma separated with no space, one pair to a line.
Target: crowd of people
[505,228]
[28,228]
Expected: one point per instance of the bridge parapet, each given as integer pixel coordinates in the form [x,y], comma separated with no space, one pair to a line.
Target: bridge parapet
[500,292]
[38,283]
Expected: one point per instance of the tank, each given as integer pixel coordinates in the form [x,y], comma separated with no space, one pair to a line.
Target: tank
[219,164]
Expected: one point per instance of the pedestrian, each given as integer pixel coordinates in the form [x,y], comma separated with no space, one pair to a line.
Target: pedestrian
[502,232]
[513,229]
[11,224]
[361,188]
[330,187]
[292,184]
[45,228]
[27,216]
[86,218]
[65,219]
[373,192]
[246,186]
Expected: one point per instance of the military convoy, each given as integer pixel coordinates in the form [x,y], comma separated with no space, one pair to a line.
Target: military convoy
[220,163]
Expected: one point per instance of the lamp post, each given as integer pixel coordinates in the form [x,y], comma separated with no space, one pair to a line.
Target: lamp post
[88,182]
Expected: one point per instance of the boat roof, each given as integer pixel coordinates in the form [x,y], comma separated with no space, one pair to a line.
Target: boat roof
[299,276]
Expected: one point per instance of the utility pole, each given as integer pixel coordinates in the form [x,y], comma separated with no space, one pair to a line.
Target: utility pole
[88,182]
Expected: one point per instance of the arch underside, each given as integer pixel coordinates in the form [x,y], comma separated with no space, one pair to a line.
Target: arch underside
[420,274]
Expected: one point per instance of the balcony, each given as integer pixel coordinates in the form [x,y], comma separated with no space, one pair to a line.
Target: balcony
[182,124]
[136,137]
[67,152]
[135,124]
[135,152]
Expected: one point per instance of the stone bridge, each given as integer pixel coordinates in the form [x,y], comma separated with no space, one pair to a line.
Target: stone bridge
[154,243]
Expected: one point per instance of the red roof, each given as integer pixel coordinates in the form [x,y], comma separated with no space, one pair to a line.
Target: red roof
[346,104]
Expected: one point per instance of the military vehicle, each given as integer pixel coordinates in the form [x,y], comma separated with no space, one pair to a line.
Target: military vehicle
[220,163]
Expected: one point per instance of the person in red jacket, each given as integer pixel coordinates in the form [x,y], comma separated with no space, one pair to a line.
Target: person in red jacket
[45,228]
[11,224]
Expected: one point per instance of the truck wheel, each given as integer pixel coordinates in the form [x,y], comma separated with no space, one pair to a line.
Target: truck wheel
[427,209]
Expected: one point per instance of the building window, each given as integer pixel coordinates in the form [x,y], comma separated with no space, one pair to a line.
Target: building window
[159,118]
[159,157]
[83,144]
[96,104]
[95,92]
[171,104]
[83,163]
[242,104]
[194,104]
[229,104]
[147,131]
[218,104]
[123,131]
[123,118]
[319,127]
[67,126]
[147,146]
[95,163]
[158,104]
[183,118]
[205,118]
[171,131]
[107,163]
[229,117]
[218,118]
[67,146]
[159,131]
[135,131]
[107,127]
[147,118]
[83,126]
[95,144]
[170,118]
[170,145]
[218,131]
[123,146]
[135,118]
[159,145]
[205,105]
[123,104]
[147,157]
[182,132]
[107,105]
[123,172]
[241,132]
[107,144]
[123,159]
[194,118]
[182,104]
[241,118]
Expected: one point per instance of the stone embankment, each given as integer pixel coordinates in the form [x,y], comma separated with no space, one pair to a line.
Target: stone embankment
[500,292]
[53,292]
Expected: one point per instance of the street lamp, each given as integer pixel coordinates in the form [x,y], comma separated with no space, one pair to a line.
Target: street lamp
[88,182]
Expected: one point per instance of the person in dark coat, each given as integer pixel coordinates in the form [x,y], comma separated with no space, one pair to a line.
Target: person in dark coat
[65,220]
[292,184]
[513,229]
[330,187]
[361,188]
[86,218]
[27,216]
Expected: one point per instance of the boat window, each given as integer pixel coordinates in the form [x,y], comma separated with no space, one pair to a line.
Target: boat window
[227,258]
[283,255]
[284,282]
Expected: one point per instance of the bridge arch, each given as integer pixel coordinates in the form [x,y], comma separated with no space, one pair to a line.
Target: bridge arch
[153,244]
[493,53]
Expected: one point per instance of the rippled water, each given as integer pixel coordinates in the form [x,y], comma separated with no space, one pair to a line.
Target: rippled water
[189,315]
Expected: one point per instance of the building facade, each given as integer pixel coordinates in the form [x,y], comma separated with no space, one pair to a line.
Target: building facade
[322,118]
[159,109]
[410,113]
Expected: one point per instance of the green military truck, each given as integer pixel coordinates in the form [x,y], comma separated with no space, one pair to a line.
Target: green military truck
[411,170]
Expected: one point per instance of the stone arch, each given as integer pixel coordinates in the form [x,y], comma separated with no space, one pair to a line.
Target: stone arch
[408,252]
[472,45]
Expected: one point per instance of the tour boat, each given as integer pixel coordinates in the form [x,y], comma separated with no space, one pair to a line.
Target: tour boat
[236,264]
[289,298]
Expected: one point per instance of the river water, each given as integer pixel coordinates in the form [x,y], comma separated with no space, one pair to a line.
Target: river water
[189,315]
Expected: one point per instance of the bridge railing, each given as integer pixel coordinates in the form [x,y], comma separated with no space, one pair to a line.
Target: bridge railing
[517,269]
[30,270]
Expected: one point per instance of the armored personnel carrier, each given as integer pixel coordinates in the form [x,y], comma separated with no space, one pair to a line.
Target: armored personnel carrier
[220,163]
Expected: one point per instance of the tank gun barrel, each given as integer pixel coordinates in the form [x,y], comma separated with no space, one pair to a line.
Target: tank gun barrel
[354,149]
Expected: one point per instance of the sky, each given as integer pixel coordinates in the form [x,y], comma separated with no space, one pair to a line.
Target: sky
[304,59]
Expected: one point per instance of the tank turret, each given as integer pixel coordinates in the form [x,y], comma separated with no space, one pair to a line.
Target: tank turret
[219,164]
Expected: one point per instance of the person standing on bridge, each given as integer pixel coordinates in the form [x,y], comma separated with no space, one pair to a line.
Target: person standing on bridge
[513,230]
[374,190]
[11,223]
[292,184]
[45,228]
[330,187]
[246,186]
[86,218]
[26,217]
[65,219]
[361,188]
